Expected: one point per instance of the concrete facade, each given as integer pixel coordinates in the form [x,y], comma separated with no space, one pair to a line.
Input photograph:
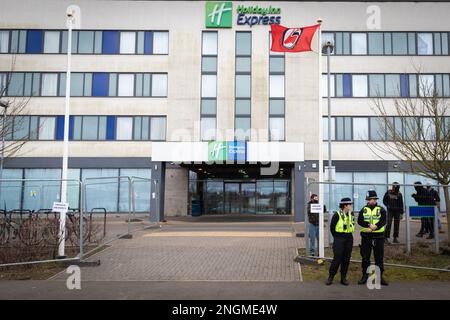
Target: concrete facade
[185,21]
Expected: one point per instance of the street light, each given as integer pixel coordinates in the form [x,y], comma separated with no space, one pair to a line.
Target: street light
[327,48]
[73,16]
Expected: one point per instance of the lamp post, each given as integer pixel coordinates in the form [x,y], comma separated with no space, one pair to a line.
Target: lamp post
[73,15]
[327,49]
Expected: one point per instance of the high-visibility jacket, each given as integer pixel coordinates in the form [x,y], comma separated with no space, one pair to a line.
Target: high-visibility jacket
[372,216]
[346,222]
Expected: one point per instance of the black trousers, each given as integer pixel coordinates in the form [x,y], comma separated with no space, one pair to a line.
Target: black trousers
[368,242]
[342,251]
[392,215]
[427,225]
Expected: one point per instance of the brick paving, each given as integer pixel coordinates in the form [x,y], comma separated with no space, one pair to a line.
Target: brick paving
[259,251]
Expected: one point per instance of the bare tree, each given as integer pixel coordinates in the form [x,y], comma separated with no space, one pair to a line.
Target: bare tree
[13,120]
[422,136]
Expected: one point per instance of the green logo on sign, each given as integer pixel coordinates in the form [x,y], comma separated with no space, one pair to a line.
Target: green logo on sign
[217,151]
[218,14]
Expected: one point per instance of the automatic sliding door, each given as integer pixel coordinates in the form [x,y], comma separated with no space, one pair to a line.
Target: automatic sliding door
[214,197]
[232,198]
[248,197]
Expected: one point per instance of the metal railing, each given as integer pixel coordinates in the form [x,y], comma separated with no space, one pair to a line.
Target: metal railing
[347,189]
[81,222]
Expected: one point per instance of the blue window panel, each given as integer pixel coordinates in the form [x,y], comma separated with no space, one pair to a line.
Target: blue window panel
[404,85]
[70,127]
[100,84]
[148,46]
[110,43]
[60,128]
[347,85]
[110,128]
[34,41]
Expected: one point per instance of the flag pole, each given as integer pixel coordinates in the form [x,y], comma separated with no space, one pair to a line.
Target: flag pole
[320,144]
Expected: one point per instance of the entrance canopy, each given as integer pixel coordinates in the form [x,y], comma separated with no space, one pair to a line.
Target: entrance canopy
[246,151]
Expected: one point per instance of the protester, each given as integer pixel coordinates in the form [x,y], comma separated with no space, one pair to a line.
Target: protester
[393,200]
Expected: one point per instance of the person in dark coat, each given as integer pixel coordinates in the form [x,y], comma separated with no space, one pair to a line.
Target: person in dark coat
[423,198]
[342,227]
[372,219]
[393,200]
[313,230]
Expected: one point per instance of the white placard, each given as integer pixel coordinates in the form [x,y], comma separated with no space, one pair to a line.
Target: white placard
[316,208]
[60,207]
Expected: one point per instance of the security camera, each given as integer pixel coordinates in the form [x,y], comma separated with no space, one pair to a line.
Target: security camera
[70,14]
[319,20]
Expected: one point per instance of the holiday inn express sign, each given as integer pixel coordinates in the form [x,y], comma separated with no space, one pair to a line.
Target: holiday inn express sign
[219,14]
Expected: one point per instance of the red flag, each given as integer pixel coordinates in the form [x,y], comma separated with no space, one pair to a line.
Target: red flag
[292,39]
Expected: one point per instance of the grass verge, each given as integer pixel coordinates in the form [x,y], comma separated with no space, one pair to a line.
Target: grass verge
[422,255]
[40,271]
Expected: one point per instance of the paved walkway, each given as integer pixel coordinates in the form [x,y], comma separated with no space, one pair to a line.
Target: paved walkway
[208,258]
[203,250]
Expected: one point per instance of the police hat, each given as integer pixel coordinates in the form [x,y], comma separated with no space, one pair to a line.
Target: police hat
[345,201]
[371,194]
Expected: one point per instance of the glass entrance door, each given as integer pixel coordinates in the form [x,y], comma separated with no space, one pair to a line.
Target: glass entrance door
[232,198]
[248,197]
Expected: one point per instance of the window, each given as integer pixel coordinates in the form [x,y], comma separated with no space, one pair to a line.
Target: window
[208,128]
[209,64]
[127,42]
[21,127]
[77,84]
[376,46]
[342,43]
[51,41]
[428,129]
[46,128]
[360,129]
[209,43]
[377,129]
[425,43]
[124,128]
[90,127]
[160,42]
[15,86]
[359,43]
[359,84]
[126,85]
[208,107]
[412,43]
[343,128]
[426,85]
[49,84]
[242,128]
[325,85]
[243,87]
[209,86]
[325,128]
[276,65]
[158,128]
[376,84]
[243,107]
[85,41]
[159,85]
[243,64]
[400,43]
[392,85]
[4,41]
[243,43]
[276,86]
[276,129]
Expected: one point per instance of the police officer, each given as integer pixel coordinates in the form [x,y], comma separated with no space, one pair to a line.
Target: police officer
[342,226]
[372,219]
